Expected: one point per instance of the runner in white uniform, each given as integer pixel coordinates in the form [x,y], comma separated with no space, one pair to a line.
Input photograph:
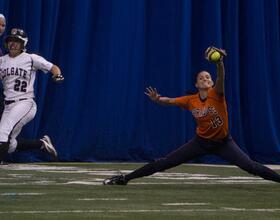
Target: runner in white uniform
[18,72]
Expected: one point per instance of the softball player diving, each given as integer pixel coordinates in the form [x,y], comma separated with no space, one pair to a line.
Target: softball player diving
[209,109]
[18,72]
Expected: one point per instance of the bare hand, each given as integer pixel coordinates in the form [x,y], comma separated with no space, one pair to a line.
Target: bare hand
[152,93]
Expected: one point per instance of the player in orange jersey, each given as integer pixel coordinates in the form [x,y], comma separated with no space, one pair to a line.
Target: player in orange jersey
[209,109]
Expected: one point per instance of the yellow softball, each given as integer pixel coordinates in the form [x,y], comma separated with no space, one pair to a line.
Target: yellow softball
[215,56]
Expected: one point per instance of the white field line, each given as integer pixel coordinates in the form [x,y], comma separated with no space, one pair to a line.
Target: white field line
[21,194]
[107,211]
[94,183]
[37,183]
[73,168]
[205,183]
[20,175]
[168,176]
[207,178]
[66,171]
[30,167]
[185,174]
[274,167]
[185,204]
[252,210]
[223,209]
[83,183]
[102,199]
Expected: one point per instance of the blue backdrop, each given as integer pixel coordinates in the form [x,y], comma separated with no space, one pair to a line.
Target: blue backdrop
[110,50]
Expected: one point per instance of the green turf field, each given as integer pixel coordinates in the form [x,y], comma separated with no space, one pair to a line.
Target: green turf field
[75,191]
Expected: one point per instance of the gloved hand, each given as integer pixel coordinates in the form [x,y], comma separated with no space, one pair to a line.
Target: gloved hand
[58,78]
[210,56]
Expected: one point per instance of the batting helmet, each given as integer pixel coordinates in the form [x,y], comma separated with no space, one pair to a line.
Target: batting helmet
[17,35]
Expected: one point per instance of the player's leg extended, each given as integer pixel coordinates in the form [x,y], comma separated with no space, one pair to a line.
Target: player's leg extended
[232,153]
[188,151]
[43,144]
[15,116]
[4,135]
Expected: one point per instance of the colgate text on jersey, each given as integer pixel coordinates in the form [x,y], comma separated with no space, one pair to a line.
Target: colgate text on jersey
[13,71]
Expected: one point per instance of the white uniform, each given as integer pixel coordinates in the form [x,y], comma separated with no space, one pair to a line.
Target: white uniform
[18,75]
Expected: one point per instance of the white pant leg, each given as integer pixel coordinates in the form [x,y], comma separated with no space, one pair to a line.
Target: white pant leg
[14,117]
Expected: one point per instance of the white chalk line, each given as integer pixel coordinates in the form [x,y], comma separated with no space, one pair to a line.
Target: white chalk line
[223,209]
[21,194]
[99,182]
[188,177]
[253,210]
[185,204]
[37,183]
[102,199]
[272,166]
[39,167]
[89,183]
[20,175]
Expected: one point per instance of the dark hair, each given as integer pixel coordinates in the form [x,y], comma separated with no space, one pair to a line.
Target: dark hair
[201,72]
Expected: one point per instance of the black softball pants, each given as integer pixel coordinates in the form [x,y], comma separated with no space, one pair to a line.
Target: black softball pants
[226,149]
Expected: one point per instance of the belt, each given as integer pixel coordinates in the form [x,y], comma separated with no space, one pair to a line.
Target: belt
[8,102]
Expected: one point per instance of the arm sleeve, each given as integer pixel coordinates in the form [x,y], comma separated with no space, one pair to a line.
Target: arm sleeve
[182,102]
[40,63]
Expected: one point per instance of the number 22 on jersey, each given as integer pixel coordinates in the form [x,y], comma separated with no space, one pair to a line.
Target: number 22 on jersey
[20,85]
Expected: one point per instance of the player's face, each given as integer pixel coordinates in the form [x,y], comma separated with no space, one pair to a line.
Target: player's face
[2,26]
[204,80]
[14,47]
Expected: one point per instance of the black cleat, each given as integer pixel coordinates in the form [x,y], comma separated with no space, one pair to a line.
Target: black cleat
[115,180]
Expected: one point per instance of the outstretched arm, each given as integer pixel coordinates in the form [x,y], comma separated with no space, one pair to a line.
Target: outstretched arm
[220,81]
[153,94]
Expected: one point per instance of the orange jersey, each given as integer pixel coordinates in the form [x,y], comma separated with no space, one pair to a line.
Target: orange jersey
[211,115]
